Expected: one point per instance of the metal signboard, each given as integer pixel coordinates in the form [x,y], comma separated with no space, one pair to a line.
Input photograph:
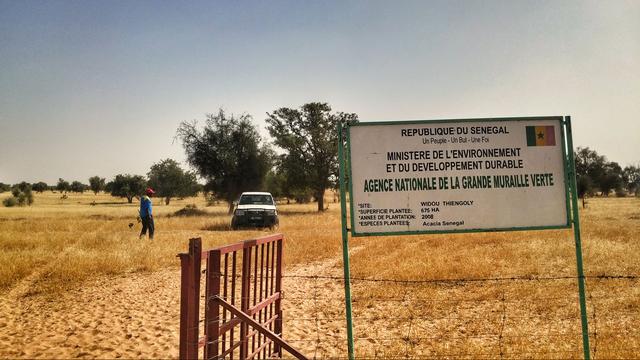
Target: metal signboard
[443,176]
[458,175]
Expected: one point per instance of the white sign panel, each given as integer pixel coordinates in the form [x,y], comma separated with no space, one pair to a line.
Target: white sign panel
[462,175]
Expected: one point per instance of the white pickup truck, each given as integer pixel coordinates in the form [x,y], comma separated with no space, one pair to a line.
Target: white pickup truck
[255,209]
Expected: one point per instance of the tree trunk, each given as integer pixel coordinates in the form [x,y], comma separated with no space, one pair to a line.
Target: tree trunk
[166,200]
[230,207]
[130,199]
[320,197]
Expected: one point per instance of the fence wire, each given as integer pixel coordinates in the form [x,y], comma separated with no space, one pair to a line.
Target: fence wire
[480,318]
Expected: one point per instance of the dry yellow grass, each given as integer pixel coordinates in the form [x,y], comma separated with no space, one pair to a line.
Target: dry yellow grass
[69,241]
[52,249]
[504,318]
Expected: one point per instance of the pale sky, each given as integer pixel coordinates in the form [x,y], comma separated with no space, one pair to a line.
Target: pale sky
[99,87]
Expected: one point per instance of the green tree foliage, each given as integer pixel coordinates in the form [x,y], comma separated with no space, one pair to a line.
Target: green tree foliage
[584,184]
[584,187]
[10,201]
[40,187]
[78,187]
[589,164]
[292,179]
[603,175]
[631,179]
[22,187]
[108,187]
[22,194]
[275,183]
[4,187]
[169,180]
[63,185]
[127,186]
[228,153]
[611,178]
[309,138]
[96,184]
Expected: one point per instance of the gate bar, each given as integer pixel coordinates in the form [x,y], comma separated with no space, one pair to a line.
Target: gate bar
[212,313]
[256,325]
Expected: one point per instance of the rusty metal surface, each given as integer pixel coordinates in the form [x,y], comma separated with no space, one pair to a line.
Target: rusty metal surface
[190,300]
[257,296]
[269,334]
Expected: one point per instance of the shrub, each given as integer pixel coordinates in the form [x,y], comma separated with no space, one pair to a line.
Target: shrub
[22,195]
[40,187]
[190,210]
[22,199]
[211,199]
[303,196]
[9,202]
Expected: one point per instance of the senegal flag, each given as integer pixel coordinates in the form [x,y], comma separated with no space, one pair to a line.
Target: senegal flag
[541,136]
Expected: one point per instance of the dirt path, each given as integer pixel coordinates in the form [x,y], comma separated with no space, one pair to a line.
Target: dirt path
[132,316]
[137,316]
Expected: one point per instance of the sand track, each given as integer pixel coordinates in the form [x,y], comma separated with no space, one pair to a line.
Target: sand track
[137,315]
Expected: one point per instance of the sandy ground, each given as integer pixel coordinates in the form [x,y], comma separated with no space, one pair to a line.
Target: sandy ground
[137,316]
[134,316]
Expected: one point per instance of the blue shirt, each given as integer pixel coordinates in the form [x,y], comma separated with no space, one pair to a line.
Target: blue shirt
[145,206]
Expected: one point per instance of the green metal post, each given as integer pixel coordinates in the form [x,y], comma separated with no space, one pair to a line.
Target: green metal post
[576,234]
[345,242]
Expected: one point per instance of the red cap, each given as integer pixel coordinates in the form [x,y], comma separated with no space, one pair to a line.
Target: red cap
[150,191]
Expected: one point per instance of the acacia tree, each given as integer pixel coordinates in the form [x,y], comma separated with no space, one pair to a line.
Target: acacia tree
[309,138]
[295,184]
[590,164]
[127,186]
[22,194]
[63,185]
[228,153]
[631,178]
[77,187]
[40,187]
[274,183]
[584,186]
[169,180]
[611,178]
[96,184]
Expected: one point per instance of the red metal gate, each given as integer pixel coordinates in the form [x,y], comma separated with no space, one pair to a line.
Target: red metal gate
[254,329]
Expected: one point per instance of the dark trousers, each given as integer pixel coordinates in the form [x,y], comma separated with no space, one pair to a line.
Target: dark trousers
[147,223]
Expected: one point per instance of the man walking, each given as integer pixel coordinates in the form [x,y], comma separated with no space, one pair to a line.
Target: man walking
[146,214]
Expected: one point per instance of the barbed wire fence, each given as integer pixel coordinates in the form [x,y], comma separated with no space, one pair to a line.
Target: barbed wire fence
[482,318]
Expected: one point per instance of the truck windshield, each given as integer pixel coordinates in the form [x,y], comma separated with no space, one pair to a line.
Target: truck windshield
[256,200]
